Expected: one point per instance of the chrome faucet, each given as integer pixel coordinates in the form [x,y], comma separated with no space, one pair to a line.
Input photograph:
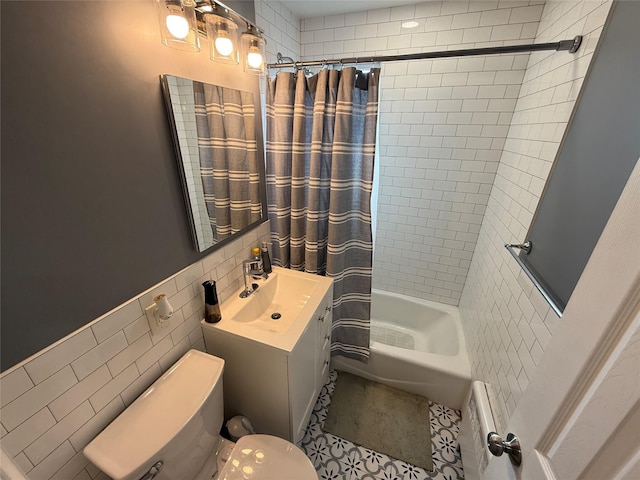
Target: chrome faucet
[251,269]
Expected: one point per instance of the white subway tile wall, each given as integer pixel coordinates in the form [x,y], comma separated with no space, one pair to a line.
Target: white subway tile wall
[281,29]
[507,323]
[442,126]
[57,401]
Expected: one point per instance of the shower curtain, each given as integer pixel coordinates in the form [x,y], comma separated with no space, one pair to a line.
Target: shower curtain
[229,168]
[321,134]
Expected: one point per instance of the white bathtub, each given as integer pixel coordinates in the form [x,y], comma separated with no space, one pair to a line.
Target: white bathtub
[423,351]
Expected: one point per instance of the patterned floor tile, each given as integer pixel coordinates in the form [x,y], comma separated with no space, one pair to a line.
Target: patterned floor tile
[337,459]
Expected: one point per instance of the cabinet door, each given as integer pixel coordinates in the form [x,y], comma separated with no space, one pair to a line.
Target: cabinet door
[303,379]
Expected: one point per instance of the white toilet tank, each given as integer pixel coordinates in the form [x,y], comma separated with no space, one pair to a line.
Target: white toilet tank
[176,421]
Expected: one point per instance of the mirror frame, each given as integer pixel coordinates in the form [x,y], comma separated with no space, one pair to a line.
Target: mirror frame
[183,176]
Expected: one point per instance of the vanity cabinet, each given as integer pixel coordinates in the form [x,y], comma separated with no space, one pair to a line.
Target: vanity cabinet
[276,387]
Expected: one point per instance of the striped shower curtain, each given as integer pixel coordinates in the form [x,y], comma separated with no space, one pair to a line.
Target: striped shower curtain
[321,134]
[227,147]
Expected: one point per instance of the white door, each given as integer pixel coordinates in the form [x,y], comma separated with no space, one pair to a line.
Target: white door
[580,415]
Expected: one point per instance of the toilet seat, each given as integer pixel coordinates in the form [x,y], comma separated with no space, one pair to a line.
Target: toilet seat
[265,457]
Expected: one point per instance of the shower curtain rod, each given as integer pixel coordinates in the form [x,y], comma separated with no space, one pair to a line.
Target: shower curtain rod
[570,45]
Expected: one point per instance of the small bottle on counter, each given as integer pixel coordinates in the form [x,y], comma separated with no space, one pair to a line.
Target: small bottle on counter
[266,259]
[256,263]
[211,306]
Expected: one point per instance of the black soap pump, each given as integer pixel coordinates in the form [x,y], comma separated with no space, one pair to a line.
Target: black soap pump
[211,307]
[266,260]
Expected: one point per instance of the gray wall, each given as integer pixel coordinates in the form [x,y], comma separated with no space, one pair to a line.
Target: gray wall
[92,207]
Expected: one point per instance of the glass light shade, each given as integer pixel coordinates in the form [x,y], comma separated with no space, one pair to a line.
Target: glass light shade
[253,53]
[177,21]
[223,36]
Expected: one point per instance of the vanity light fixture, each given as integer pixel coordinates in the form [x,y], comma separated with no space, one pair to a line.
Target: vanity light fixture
[182,22]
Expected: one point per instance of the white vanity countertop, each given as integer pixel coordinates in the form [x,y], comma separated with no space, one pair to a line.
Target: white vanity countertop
[296,295]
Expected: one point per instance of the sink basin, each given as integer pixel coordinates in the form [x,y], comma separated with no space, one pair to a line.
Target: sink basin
[277,302]
[277,313]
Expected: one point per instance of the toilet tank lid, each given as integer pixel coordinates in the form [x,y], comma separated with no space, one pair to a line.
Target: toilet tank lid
[156,416]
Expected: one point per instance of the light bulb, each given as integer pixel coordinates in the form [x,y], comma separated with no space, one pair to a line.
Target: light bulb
[224,46]
[254,58]
[223,42]
[177,25]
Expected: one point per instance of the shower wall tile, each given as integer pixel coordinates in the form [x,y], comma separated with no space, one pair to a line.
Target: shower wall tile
[55,402]
[507,323]
[282,29]
[442,127]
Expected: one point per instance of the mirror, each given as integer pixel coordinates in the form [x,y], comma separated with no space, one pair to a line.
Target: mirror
[218,142]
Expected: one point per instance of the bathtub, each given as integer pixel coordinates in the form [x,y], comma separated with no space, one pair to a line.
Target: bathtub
[416,346]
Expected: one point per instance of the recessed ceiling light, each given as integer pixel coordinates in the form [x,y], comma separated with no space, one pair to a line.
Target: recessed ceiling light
[410,24]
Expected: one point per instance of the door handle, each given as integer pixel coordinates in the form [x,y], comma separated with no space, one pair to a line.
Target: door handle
[511,445]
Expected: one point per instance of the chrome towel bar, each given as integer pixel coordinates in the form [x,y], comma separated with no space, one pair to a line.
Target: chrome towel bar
[526,247]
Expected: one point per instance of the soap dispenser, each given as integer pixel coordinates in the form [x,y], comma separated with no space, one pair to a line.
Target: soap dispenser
[212,308]
[266,259]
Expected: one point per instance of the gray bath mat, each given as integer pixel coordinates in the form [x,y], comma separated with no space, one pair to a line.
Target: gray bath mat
[381,418]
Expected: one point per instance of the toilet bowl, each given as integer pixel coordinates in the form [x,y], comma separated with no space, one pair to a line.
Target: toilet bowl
[171,432]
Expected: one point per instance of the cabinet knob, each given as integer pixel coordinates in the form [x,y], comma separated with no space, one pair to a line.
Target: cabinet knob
[327,337]
[328,309]
[321,319]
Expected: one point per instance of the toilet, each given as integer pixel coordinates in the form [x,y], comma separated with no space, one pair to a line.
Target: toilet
[171,432]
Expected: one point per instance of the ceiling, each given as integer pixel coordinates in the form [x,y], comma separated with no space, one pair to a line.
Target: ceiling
[320,8]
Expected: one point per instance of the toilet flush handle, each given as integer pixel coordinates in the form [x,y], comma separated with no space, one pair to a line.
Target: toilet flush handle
[153,471]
